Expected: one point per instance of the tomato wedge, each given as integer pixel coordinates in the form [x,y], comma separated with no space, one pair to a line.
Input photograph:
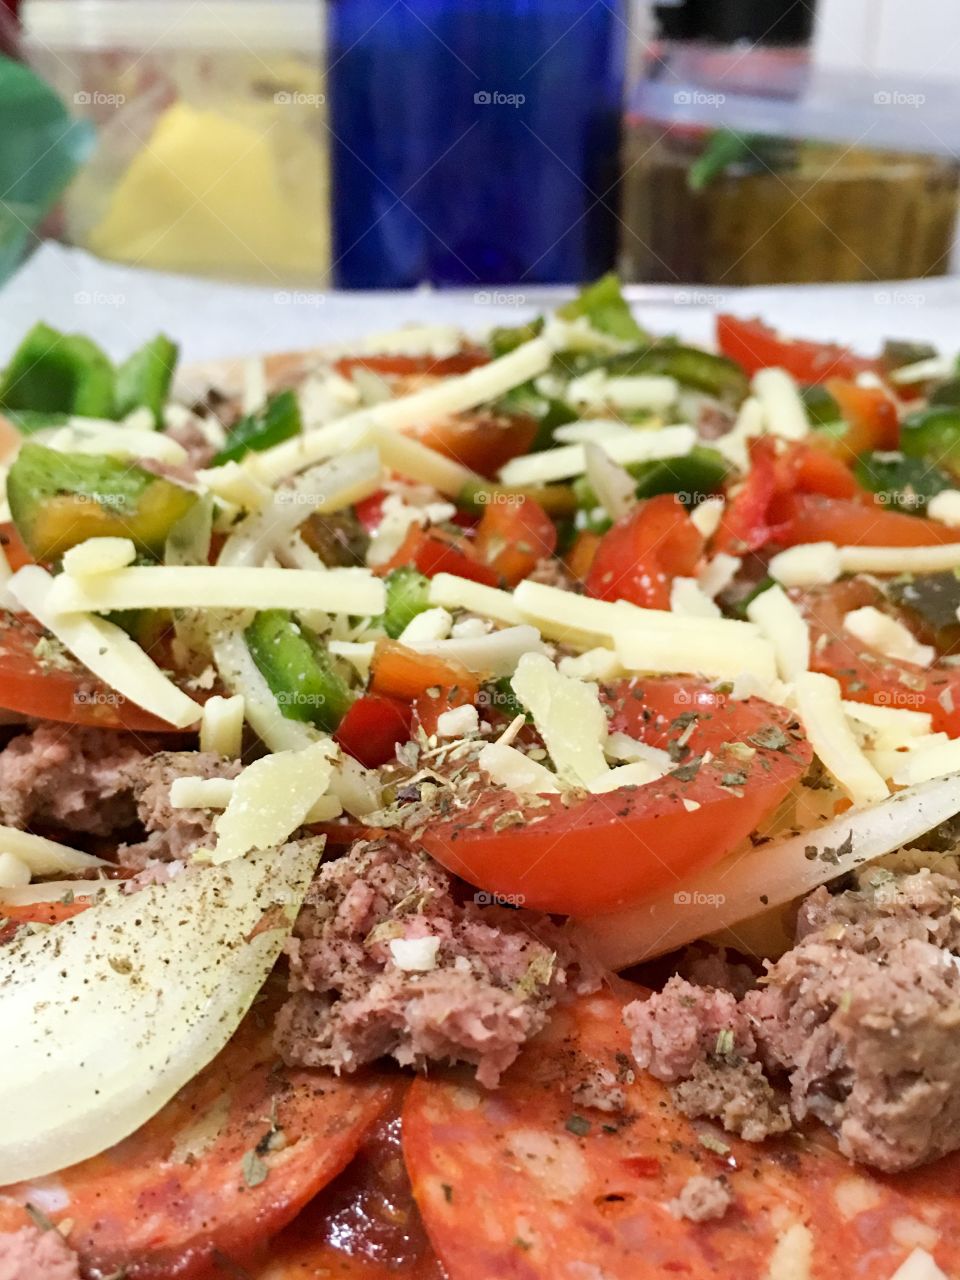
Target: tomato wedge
[640,556]
[871,417]
[13,545]
[529,1182]
[67,692]
[603,851]
[514,534]
[372,727]
[164,1202]
[755,345]
[867,676]
[809,517]
[408,366]
[434,551]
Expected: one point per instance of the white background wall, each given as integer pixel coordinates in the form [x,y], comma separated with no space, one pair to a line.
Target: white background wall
[914,37]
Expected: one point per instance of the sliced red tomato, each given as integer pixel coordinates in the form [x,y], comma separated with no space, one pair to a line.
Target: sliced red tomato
[604,851]
[809,517]
[44,912]
[407,366]
[434,551]
[403,673]
[484,442]
[430,705]
[62,691]
[372,727]
[527,1182]
[369,511]
[753,516]
[513,536]
[166,1201]
[867,676]
[871,417]
[755,345]
[640,556]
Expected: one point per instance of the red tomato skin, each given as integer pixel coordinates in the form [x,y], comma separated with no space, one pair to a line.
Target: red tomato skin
[69,694]
[614,850]
[755,345]
[871,416]
[431,551]
[640,556]
[867,676]
[513,536]
[404,366]
[369,511]
[808,517]
[372,727]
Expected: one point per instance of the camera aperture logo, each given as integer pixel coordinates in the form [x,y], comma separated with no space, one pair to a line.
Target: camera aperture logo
[495,98]
[694,898]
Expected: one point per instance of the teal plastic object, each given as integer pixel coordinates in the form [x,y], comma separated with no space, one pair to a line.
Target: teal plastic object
[41,147]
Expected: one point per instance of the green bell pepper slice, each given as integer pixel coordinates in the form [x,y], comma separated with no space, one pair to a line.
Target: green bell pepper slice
[700,370]
[143,380]
[933,434]
[606,308]
[902,483]
[52,372]
[298,670]
[408,593]
[277,421]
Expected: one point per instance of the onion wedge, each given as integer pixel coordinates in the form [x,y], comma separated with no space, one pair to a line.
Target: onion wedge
[752,880]
[106,1015]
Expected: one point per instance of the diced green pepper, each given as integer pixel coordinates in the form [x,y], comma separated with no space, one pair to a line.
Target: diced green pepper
[60,499]
[606,308]
[408,593]
[52,372]
[904,484]
[549,413]
[822,409]
[898,353]
[279,420]
[946,393]
[298,670]
[701,370]
[506,338]
[934,434]
[143,380]
[695,476]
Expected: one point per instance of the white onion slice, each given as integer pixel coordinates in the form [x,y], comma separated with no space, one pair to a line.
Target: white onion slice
[45,857]
[495,654]
[108,1014]
[240,674]
[614,486]
[751,881]
[330,487]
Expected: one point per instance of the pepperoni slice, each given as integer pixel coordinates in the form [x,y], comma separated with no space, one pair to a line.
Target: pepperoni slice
[364,1226]
[224,1166]
[527,1182]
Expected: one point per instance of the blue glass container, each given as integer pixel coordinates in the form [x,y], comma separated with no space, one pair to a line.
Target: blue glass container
[474,141]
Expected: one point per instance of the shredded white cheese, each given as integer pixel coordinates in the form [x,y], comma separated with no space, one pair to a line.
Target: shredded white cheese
[458,722]
[570,459]
[14,874]
[783,410]
[221,727]
[782,623]
[945,507]
[706,516]
[820,708]
[508,767]
[351,591]
[99,555]
[809,564]
[200,793]
[568,715]
[414,955]
[105,649]
[888,636]
[687,598]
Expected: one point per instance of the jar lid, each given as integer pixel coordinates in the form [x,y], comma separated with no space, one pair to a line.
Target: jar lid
[173,24]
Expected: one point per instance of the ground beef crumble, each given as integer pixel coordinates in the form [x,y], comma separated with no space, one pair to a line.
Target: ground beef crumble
[859,1020]
[32,1254]
[99,782]
[497,972]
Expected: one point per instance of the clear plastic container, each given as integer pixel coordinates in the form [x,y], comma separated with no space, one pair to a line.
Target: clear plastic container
[212,154]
